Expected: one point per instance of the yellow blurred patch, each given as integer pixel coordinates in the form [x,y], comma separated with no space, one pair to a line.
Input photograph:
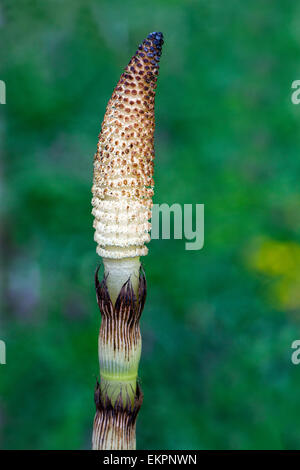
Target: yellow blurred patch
[280,260]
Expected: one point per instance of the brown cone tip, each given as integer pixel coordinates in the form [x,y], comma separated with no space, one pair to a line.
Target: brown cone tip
[148,55]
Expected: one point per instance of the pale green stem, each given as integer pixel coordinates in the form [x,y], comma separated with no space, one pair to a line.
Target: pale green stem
[118,271]
[118,373]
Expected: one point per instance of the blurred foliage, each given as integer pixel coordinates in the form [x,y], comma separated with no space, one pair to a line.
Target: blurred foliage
[218,323]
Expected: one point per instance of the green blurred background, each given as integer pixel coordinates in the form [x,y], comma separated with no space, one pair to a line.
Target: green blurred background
[218,324]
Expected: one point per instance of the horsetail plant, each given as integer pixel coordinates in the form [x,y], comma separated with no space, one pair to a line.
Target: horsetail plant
[122,202]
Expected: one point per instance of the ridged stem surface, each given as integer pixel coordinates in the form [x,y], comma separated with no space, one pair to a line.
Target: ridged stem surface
[118,396]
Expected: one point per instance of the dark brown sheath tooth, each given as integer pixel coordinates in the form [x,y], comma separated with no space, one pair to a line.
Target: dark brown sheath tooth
[114,424]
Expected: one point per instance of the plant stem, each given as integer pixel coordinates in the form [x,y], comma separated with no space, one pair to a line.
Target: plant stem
[122,201]
[118,396]
[118,271]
